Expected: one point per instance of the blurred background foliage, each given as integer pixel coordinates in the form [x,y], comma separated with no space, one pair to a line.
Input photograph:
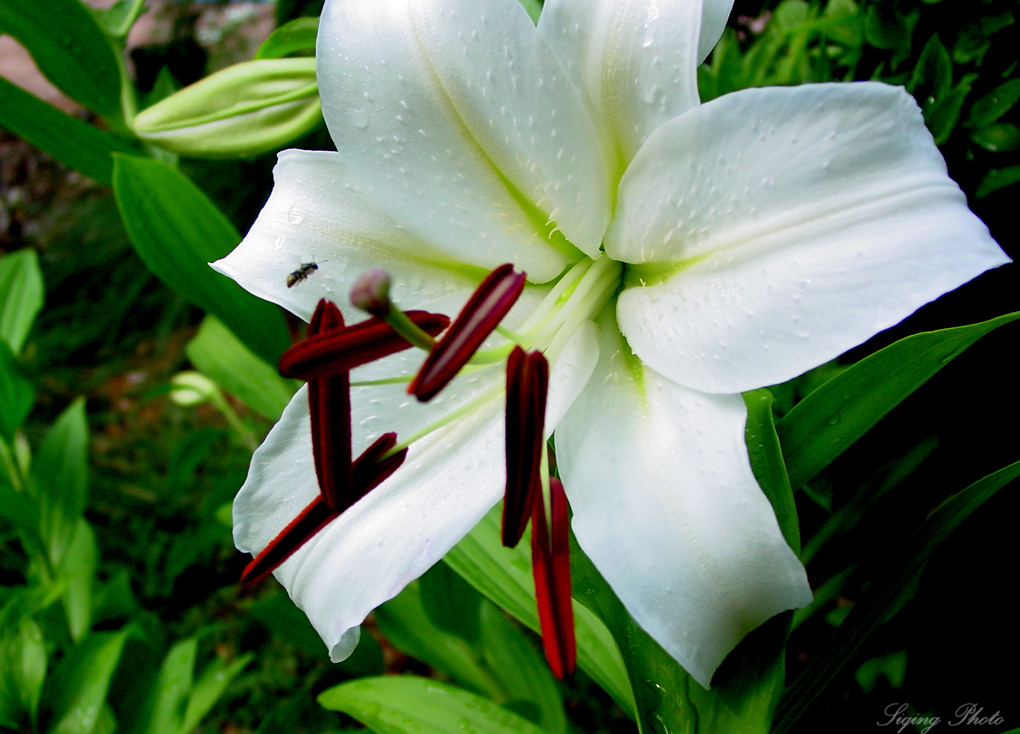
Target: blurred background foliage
[119,607]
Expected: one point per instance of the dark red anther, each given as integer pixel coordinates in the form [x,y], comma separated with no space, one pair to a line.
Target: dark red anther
[368,471]
[311,520]
[329,401]
[550,554]
[341,350]
[527,382]
[487,306]
[373,466]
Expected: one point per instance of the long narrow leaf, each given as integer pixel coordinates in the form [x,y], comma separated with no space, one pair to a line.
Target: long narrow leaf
[21,293]
[77,692]
[830,419]
[408,705]
[177,231]
[885,594]
[71,141]
[70,49]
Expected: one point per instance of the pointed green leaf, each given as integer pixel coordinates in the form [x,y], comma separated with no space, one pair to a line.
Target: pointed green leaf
[296,36]
[79,685]
[223,358]
[23,662]
[1000,137]
[209,688]
[996,179]
[163,711]
[503,575]
[405,623]
[16,394]
[934,70]
[21,294]
[78,568]
[825,423]
[119,17]
[885,593]
[60,474]
[177,231]
[408,705]
[70,49]
[522,671]
[767,463]
[71,141]
[995,104]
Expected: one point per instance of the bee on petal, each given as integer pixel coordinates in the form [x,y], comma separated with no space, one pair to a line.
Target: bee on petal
[301,273]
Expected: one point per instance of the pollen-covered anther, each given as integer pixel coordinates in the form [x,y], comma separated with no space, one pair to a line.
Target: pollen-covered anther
[367,472]
[341,350]
[488,305]
[550,555]
[527,383]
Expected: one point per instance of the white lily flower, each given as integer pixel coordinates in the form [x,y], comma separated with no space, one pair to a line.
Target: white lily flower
[677,254]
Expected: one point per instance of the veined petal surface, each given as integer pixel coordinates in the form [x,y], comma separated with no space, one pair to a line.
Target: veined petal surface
[458,120]
[789,225]
[667,508]
[635,61]
[317,213]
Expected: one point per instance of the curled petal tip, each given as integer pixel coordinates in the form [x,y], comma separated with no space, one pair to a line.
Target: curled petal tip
[488,305]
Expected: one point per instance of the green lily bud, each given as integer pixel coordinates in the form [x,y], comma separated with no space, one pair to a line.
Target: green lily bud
[190,388]
[245,109]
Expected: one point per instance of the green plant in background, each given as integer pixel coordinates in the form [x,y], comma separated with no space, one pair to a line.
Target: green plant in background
[64,632]
[71,636]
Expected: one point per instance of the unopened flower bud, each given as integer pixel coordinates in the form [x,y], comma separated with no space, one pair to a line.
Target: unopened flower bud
[190,388]
[245,109]
[371,293]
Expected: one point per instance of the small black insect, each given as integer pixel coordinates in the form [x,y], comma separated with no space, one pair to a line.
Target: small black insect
[301,274]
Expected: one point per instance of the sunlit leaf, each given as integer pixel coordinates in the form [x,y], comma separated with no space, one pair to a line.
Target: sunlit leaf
[408,705]
[21,293]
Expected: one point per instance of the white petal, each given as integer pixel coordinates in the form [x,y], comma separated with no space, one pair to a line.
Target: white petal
[634,60]
[462,124]
[317,214]
[571,370]
[714,15]
[801,221]
[667,508]
[449,480]
[392,536]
